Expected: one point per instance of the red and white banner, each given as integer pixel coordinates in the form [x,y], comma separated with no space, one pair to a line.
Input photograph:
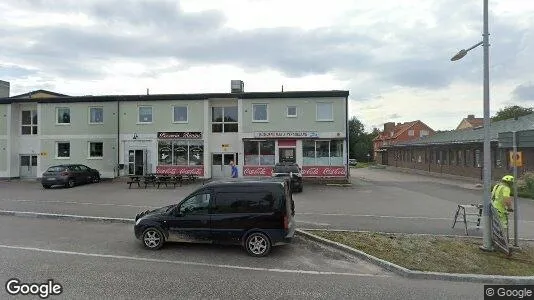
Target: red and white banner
[257,171]
[323,171]
[180,170]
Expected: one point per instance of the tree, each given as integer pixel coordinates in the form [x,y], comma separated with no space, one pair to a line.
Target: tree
[360,142]
[512,111]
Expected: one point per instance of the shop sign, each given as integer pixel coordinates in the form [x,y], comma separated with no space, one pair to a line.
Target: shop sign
[180,170]
[179,135]
[320,171]
[286,134]
[257,171]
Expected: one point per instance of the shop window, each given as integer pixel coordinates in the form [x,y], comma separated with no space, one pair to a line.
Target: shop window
[322,153]
[260,153]
[181,153]
[224,119]
[63,115]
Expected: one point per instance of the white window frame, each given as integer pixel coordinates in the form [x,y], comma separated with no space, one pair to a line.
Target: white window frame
[31,125]
[139,116]
[223,122]
[317,112]
[423,133]
[89,150]
[173,115]
[411,132]
[287,111]
[96,123]
[57,150]
[266,113]
[57,116]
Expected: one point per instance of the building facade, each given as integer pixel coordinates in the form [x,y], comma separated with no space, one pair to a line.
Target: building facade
[176,133]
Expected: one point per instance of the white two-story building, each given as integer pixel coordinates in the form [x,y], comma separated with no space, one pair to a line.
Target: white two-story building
[175,133]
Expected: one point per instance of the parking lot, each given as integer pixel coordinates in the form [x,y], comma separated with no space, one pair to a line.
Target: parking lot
[97,259]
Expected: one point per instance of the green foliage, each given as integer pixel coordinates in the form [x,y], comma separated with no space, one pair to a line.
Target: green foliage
[360,142]
[525,185]
[512,111]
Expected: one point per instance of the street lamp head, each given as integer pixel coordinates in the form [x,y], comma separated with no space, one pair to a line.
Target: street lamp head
[459,55]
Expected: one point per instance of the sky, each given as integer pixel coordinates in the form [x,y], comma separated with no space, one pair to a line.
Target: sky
[393,56]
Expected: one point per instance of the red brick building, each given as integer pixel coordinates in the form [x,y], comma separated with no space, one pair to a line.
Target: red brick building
[394,134]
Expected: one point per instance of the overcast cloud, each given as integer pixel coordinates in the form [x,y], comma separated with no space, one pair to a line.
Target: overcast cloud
[393,58]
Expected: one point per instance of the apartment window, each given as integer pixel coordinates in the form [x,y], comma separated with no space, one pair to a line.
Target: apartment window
[325,112]
[259,153]
[260,113]
[180,114]
[145,114]
[322,153]
[63,150]
[29,122]
[224,119]
[411,132]
[96,115]
[291,111]
[63,115]
[96,149]
[423,133]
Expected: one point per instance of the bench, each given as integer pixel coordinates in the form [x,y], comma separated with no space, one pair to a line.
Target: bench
[465,210]
[133,180]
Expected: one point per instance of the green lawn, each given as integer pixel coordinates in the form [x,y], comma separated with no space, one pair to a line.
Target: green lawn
[437,254]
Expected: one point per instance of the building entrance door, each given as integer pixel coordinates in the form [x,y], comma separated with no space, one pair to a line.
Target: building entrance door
[137,162]
[220,164]
[287,155]
[28,166]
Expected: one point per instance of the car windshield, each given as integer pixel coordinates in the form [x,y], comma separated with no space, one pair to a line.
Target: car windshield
[55,169]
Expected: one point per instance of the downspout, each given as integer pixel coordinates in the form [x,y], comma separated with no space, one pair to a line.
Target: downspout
[347,168]
[118,137]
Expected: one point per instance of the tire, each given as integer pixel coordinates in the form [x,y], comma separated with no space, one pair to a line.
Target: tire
[153,238]
[46,186]
[71,183]
[96,179]
[258,244]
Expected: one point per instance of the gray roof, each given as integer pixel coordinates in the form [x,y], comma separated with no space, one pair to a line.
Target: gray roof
[475,135]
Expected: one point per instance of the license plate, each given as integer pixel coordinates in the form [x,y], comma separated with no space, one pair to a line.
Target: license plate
[51,179]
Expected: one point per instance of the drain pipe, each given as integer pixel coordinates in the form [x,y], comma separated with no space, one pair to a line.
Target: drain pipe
[118,137]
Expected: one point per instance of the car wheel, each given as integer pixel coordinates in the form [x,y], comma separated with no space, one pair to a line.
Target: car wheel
[96,179]
[153,238]
[300,189]
[258,244]
[71,183]
[46,186]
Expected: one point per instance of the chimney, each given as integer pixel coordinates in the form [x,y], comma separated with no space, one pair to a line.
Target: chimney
[4,89]
[389,126]
[237,86]
[470,117]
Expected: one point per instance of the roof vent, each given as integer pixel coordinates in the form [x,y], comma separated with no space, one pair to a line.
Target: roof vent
[237,86]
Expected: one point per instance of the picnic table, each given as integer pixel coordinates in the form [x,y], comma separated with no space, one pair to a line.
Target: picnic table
[155,180]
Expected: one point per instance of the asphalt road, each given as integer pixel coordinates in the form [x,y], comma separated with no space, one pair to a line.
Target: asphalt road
[378,200]
[102,261]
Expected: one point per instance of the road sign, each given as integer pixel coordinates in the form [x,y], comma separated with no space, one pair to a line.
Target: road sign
[517,159]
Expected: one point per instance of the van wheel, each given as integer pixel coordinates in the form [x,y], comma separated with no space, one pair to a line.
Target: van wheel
[71,183]
[258,244]
[153,239]
[300,189]
[46,186]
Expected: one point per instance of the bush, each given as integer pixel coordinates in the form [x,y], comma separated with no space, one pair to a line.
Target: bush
[525,185]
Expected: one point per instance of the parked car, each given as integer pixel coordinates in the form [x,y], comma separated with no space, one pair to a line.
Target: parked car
[352,162]
[69,175]
[256,214]
[293,171]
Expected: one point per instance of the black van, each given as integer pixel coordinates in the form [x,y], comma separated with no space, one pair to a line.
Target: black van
[256,214]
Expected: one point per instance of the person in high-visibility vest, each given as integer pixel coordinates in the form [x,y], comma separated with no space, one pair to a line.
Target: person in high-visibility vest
[501,199]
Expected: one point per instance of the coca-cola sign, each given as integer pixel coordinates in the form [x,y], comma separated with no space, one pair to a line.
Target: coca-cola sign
[323,171]
[257,170]
[180,170]
[179,135]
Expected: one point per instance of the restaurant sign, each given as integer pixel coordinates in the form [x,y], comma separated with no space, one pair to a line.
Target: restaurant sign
[286,134]
[180,170]
[180,135]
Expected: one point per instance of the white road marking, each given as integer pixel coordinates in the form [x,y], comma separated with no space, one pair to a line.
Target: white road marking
[386,217]
[313,223]
[80,203]
[180,262]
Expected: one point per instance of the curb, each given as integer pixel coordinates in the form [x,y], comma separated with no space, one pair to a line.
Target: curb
[418,274]
[63,216]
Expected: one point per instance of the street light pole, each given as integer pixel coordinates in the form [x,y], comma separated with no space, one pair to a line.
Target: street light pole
[486,221]
[487,146]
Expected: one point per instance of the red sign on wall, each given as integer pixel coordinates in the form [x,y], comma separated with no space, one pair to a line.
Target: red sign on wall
[257,171]
[180,170]
[323,171]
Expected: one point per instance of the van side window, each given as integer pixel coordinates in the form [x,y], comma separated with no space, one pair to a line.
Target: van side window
[249,202]
[196,205]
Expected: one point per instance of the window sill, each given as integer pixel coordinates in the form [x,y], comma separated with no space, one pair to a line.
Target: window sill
[291,116]
[324,120]
[260,121]
[180,122]
[95,158]
[99,123]
[63,124]
[144,123]
[62,157]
